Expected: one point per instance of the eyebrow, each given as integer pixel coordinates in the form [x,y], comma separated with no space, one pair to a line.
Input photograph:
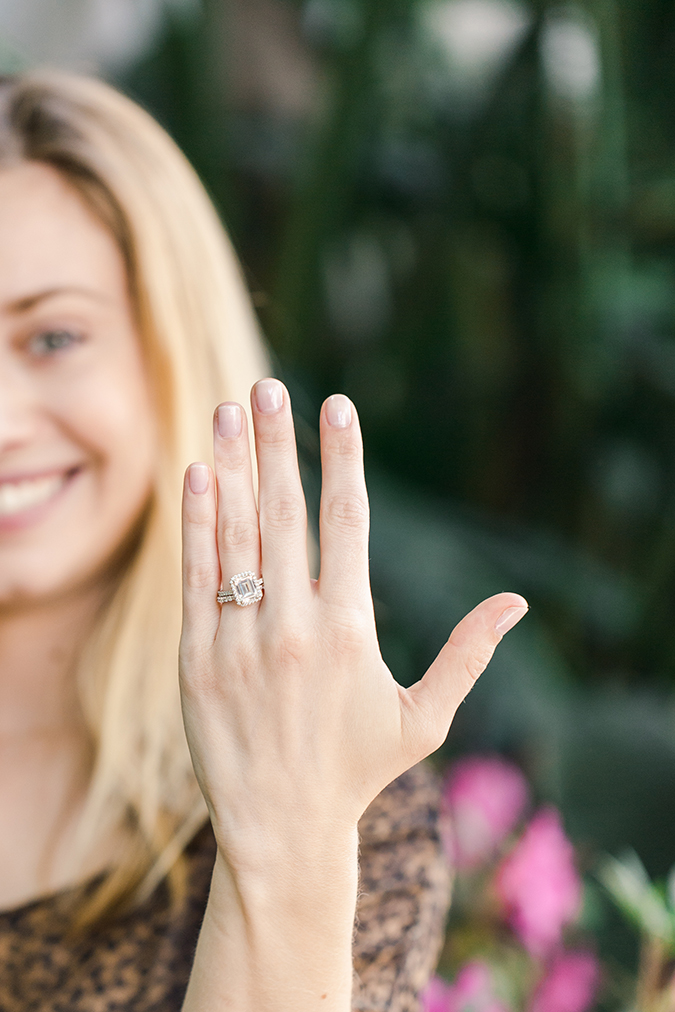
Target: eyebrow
[28,302]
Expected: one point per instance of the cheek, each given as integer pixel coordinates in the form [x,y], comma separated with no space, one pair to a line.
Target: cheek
[113,421]
[108,427]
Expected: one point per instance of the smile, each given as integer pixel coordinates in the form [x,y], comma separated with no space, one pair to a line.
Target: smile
[17,496]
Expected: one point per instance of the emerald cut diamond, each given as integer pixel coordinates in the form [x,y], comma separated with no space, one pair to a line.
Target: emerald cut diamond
[246,588]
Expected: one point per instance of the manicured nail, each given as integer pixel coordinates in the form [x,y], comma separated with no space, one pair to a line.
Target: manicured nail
[339,411]
[269,396]
[228,420]
[198,478]
[509,618]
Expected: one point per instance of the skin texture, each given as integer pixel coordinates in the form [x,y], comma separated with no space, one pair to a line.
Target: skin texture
[293,720]
[74,402]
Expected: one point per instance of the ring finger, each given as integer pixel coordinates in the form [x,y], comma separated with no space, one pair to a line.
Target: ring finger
[238,529]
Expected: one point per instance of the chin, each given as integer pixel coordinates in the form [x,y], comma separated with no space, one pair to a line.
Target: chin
[45,581]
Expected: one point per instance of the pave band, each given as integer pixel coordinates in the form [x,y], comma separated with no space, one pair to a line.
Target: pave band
[246,588]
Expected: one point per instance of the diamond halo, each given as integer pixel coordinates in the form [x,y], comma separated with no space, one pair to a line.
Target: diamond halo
[246,588]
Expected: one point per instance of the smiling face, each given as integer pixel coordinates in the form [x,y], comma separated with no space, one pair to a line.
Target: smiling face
[77,426]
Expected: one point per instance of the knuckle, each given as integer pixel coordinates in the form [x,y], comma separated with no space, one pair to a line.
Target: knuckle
[292,648]
[197,519]
[350,630]
[477,661]
[193,660]
[349,450]
[269,432]
[349,511]
[194,666]
[199,575]
[239,533]
[197,680]
[284,511]
[233,458]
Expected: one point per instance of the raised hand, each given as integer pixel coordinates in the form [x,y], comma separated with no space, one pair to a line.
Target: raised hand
[294,721]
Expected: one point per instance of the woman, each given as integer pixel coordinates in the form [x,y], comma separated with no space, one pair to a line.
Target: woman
[123,320]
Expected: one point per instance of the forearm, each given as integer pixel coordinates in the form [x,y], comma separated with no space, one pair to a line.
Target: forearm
[280,937]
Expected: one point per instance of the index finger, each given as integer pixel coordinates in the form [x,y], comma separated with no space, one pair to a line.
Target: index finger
[344,519]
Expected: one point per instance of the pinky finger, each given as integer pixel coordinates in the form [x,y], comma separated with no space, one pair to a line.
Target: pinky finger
[201,567]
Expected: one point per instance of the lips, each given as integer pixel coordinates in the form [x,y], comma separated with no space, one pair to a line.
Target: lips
[24,494]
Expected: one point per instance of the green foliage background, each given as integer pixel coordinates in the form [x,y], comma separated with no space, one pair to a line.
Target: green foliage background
[484,262]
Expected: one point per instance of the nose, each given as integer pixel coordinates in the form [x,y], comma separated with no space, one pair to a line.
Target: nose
[19,410]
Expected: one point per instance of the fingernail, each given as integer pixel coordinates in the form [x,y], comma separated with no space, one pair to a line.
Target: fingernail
[269,396]
[228,420]
[339,411]
[198,478]
[509,618]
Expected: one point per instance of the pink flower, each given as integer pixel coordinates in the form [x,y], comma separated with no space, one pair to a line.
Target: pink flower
[538,884]
[437,996]
[471,992]
[570,984]
[485,797]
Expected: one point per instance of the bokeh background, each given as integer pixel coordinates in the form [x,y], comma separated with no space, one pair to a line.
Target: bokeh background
[462,214]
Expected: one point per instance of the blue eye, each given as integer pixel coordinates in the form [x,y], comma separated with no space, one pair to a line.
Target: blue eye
[48,342]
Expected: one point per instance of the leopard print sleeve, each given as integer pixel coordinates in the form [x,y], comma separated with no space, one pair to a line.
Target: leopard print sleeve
[140,962]
[404,895]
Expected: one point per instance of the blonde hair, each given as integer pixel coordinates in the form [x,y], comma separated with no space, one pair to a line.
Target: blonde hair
[201,345]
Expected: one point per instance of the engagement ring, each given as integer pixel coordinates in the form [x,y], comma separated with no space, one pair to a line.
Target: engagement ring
[247,588]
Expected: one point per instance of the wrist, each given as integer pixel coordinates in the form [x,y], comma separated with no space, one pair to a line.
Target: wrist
[277,934]
[254,847]
[289,877]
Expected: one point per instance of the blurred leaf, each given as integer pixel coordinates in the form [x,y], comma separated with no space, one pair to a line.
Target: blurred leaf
[628,884]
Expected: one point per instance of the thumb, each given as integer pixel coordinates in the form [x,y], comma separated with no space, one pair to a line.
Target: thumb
[435,698]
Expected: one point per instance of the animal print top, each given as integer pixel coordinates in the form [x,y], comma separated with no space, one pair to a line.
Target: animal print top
[141,962]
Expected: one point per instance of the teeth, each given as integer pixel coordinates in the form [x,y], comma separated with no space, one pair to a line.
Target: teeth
[16,496]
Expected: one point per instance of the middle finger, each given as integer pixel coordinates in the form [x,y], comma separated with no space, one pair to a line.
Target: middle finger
[281,500]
